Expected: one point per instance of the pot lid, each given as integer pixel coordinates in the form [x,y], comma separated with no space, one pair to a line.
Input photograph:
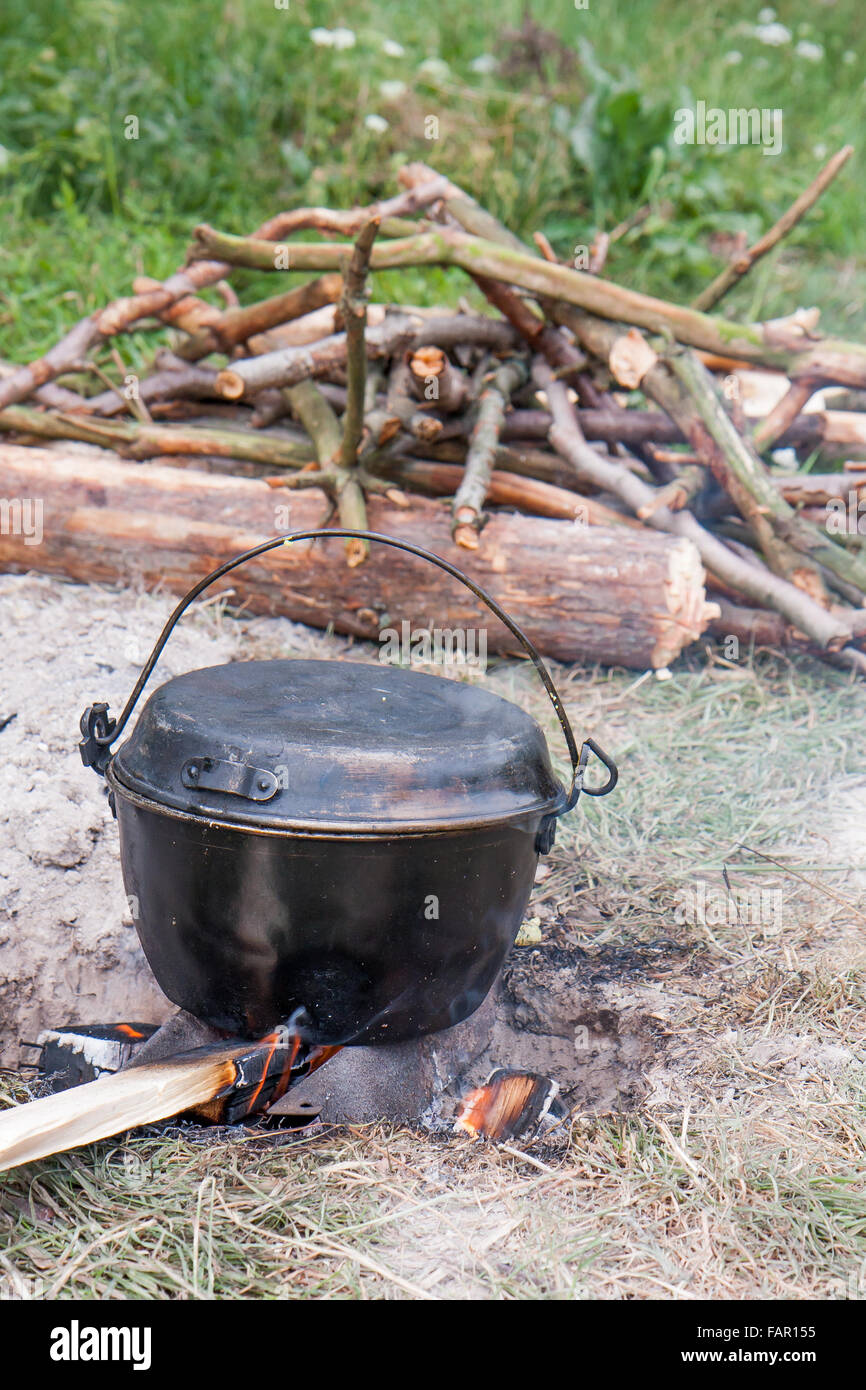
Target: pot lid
[336,745]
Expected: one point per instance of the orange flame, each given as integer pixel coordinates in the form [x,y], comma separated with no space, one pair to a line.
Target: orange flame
[275,1040]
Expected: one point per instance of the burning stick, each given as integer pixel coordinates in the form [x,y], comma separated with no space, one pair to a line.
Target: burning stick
[224,1083]
[509,1104]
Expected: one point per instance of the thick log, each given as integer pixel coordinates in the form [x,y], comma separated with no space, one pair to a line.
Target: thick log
[593,594]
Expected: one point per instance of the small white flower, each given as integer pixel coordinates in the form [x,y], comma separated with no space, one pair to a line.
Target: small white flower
[435,68]
[485,62]
[849,56]
[786,458]
[392,49]
[322,38]
[773,34]
[343,38]
[732,58]
[392,91]
[766,16]
[813,51]
[819,150]
[377,124]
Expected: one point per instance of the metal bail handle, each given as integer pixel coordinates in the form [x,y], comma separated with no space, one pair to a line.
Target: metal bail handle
[99,731]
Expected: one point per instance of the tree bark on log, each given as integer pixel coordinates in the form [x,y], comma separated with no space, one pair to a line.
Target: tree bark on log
[612,595]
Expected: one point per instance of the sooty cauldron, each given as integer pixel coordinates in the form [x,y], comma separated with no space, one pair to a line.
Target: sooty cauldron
[357,841]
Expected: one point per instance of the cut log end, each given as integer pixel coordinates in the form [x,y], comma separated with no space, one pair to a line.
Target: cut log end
[356,552]
[466,537]
[688,612]
[230,385]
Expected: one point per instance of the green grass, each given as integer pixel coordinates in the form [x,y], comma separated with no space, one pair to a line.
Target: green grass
[240,114]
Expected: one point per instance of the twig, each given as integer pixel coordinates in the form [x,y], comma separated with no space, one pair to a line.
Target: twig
[505,489]
[468,506]
[142,441]
[531,325]
[238,325]
[819,888]
[353,306]
[289,365]
[349,223]
[399,410]
[394,336]
[123,313]
[741,265]
[735,466]
[788,347]
[783,414]
[677,493]
[176,380]
[318,419]
[431,369]
[739,469]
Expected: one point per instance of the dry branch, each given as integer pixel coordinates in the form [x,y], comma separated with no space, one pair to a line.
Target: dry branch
[392,338]
[741,265]
[752,580]
[431,370]
[239,325]
[787,347]
[353,306]
[468,505]
[143,441]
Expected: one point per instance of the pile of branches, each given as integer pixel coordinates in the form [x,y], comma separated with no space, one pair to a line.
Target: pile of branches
[531,406]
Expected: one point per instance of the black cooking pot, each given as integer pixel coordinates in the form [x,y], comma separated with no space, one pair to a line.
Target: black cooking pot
[359,841]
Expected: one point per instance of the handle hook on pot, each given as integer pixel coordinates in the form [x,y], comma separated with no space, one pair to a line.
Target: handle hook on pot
[590,746]
[99,730]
